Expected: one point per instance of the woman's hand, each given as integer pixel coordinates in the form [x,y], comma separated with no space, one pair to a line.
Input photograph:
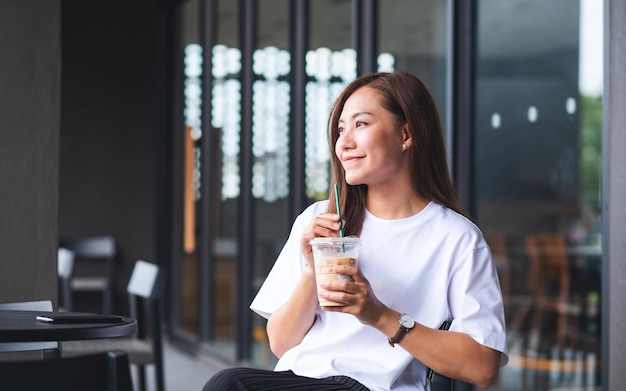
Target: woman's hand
[325,225]
[358,296]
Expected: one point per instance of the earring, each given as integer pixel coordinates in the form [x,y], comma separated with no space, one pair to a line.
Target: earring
[403,147]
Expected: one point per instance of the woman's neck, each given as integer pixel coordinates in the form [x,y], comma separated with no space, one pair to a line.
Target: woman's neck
[392,203]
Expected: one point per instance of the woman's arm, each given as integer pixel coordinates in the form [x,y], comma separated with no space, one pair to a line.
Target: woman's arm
[288,325]
[449,353]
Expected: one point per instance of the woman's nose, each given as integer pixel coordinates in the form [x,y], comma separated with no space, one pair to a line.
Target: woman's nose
[344,142]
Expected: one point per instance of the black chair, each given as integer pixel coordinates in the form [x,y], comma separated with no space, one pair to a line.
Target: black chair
[48,349]
[94,266]
[438,382]
[105,371]
[146,347]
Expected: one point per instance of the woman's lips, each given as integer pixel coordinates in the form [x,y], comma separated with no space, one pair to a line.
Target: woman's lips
[350,160]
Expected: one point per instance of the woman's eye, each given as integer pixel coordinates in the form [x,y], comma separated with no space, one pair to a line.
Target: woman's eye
[340,130]
[359,123]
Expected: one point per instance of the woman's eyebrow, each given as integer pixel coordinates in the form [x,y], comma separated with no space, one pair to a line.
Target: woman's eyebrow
[357,114]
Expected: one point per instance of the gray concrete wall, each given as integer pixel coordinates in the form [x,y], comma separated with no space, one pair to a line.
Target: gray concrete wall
[30,71]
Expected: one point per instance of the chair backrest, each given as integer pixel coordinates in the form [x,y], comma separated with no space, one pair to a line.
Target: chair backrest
[106,371]
[144,280]
[91,246]
[94,266]
[144,287]
[65,269]
[65,262]
[48,349]
[41,305]
[548,256]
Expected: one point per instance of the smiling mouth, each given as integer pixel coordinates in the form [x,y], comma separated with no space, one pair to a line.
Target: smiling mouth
[349,162]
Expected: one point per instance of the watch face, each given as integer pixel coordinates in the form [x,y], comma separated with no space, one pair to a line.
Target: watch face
[407,321]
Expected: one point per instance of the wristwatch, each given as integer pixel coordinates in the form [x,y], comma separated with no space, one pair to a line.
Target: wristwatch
[406,324]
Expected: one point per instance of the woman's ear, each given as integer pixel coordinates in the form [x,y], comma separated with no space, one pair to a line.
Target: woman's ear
[407,140]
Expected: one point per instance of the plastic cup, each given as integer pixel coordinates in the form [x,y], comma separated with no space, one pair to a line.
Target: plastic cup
[331,252]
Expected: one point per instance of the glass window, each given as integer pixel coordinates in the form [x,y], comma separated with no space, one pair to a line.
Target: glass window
[224,131]
[270,149]
[413,37]
[330,65]
[536,185]
[536,160]
[190,134]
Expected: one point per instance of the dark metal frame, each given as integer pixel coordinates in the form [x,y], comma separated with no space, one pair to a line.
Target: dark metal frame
[462,33]
[246,217]
[298,45]
[205,249]
[365,35]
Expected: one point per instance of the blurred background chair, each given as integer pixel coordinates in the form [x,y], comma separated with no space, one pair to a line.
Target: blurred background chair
[94,267]
[106,371]
[146,347]
[65,268]
[48,349]
[549,281]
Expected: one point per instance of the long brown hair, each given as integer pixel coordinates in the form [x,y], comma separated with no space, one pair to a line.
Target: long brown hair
[409,100]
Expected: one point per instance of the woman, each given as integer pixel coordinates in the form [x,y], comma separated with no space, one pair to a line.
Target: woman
[421,262]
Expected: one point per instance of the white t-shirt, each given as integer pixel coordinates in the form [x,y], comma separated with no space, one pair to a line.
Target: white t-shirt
[434,265]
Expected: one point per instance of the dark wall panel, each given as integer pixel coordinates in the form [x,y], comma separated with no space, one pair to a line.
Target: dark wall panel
[107,127]
[29,131]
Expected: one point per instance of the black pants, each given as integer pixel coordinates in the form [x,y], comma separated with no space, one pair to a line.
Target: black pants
[248,379]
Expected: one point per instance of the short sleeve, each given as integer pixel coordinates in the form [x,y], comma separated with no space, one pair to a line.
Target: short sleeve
[476,299]
[288,268]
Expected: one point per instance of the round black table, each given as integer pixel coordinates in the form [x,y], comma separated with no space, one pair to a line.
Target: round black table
[23,326]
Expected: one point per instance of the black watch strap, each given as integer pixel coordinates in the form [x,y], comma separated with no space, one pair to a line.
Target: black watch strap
[396,338]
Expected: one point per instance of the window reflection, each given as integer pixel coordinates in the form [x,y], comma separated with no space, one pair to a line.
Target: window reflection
[537,190]
[226,115]
[329,71]
[270,124]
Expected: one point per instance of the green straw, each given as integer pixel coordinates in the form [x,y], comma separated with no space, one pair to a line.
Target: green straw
[338,210]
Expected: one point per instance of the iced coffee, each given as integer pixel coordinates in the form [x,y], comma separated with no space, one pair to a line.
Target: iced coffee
[331,252]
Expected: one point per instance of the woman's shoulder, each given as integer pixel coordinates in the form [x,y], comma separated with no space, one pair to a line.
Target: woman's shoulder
[455,222]
[313,210]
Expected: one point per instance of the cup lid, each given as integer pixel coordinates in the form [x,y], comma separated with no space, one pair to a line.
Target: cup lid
[344,240]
